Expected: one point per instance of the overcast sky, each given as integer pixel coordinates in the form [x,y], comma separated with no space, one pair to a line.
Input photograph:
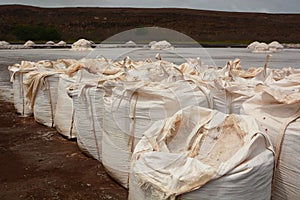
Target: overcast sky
[269,6]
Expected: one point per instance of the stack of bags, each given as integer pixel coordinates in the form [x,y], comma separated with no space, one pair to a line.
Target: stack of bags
[166,131]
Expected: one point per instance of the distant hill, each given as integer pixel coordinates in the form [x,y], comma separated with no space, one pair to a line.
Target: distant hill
[19,23]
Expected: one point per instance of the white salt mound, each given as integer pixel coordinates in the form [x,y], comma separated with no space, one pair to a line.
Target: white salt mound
[29,43]
[261,47]
[152,43]
[82,45]
[275,46]
[253,45]
[3,43]
[50,43]
[61,43]
[161,45]
[130,43]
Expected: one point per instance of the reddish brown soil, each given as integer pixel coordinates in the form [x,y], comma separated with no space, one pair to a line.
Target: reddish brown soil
[98,24]
[37,163]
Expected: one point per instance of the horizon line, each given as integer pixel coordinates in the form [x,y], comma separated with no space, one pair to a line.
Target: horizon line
[139,7]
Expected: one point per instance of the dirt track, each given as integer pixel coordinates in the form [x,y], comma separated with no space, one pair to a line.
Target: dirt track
[37,163]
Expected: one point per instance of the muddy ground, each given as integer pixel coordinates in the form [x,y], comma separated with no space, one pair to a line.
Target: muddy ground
[37,163]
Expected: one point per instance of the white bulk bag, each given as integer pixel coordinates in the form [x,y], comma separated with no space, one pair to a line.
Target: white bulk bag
[157,71]
[64,112]
[87,97]
[17,77]
[277,111]
[202,154]
[42,94]
[88,103]
[288,73]
[131,109]
[233,86]
[228,96]
[290,82]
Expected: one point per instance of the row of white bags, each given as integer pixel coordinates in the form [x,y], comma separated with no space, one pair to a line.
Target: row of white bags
[120,135]
[110,116]
[116,127]
[160,171]
[40,89]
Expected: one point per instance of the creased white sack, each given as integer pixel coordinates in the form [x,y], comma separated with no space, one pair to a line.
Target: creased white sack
[277,111]
[205,152]
[65,110]
[131,109]
[87,97]
[231,86]
[42,95]
[158,71]
[88,103]
[64,119]
[17,78]
[229,96]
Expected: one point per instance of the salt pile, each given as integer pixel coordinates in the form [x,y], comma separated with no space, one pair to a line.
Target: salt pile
[3,43]
[29,44]
[130,43]
[50,43]
[275,46]
[151,43]
[261,47]
[61,43]
[82,45]
[161,45]
[252,45]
